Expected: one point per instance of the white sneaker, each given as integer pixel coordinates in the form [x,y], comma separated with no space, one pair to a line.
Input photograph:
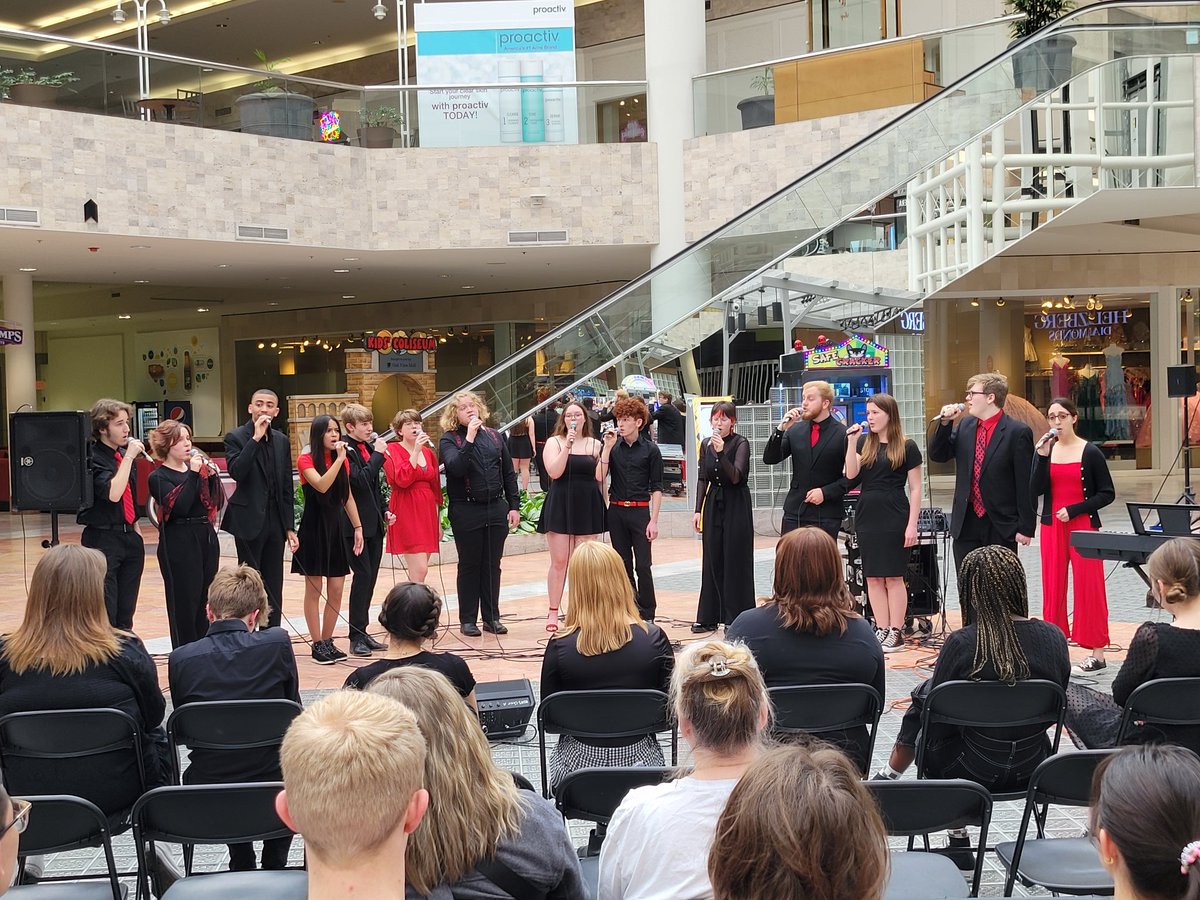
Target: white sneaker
[893,641]
[881,634]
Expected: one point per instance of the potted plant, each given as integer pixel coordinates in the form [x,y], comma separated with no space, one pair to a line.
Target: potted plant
[759,110]
[273,111]
[1047,64]
[27,87]
[378,126]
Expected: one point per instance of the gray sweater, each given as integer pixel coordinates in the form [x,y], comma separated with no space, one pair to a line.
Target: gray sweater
[541,853]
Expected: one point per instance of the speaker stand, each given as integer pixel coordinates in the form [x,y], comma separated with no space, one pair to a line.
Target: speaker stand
[52,541]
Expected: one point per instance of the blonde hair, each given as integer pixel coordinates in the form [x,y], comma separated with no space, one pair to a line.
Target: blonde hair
[897,450]
[991,383]
[600,601]
[823,388]
[449,421]
[1176,563]
[473,803]
[166,436]
[237,591]
[718,689]
[66,627]
[356,745]
[356,413]
[104,411]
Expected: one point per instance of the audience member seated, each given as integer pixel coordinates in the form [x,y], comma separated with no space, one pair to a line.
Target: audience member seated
[604,644]
[235,662]
[411,613]
[808,631]
[1158,650]
[352,775]
[800,823]
[482,835]
[658,839]
[1146,822]
[14,816]
[66,655]
[1004,644]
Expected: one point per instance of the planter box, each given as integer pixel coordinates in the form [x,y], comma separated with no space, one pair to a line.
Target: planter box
[277,114]
[757,112]
[33,94]
[1045,66]
[377,136]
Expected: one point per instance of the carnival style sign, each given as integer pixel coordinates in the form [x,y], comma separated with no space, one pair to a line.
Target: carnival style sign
[854,352]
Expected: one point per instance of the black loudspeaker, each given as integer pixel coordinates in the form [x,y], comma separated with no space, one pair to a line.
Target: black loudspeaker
[505,707]
[1181,381]
[48,461]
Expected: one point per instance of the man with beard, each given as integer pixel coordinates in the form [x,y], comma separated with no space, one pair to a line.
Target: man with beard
[816,442]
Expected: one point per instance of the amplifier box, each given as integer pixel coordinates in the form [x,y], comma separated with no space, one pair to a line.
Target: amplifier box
[505,707]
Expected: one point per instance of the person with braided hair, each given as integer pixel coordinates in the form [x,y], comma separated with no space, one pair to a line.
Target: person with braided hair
[411,614]
[1145,821]
[1002,644]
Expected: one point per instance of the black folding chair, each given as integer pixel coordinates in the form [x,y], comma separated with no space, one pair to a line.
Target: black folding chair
[1168,704]
[204,814]
[918,808]
[829,710]
[1061,865]
[599,715]
[229,725]
[59,823]
[290,885]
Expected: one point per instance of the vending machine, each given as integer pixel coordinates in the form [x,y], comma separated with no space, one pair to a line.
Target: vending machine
[857,368]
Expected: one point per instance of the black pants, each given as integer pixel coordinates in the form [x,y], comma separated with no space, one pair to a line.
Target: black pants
[274,855]
[627,531]
[365,569]
[125,555]
[264,552]
[188,554]
[831,527]
[480,530]
[975,533]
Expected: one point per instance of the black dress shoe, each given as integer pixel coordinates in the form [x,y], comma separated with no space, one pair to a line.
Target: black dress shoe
[371,644]
[702,628]
[360,648]
[496,627]
[470,629]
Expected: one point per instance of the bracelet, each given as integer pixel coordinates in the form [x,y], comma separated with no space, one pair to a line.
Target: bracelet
[357,527]
[604,462]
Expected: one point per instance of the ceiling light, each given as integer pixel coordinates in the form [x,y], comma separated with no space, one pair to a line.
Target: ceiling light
[379,11]
[1099,305]
[118,14]
[26,269]
[348,296]
[974,302]
[222,265]
[139,246]
[450,331]
[1187,293]
[441,340]
[141,281]
[466,330]
[349,259]
[1000,302]
[201,309]
[445,276]
[305,344]
[1091,302]
[467,287]
[124,316]
[340,271]
[274,344]
[1046,304]
[261,345]
[272,303]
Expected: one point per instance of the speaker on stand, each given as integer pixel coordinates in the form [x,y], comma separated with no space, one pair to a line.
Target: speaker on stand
[48,458]
[1181,382]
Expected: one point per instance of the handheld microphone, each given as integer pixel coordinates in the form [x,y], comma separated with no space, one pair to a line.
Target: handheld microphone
[573,427]
[1051,435]
[961,406]
[374,436]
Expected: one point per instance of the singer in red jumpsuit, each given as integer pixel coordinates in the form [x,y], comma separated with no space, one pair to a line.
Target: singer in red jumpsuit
[1071,476]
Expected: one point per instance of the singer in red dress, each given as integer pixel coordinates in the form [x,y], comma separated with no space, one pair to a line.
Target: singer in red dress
[187,489]
[411,470]
[1071,476]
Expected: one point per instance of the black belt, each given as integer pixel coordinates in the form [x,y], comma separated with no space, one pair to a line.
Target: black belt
[189,520]
[473,499]
[124,526]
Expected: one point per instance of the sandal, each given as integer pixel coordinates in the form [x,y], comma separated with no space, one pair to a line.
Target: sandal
[552,620]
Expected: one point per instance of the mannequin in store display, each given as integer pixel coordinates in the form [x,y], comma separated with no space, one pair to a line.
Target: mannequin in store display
[1060,377]
[1116,413]
[1087,393]
[1030,351]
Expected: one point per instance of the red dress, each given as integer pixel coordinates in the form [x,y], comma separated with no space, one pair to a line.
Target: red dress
[416,496]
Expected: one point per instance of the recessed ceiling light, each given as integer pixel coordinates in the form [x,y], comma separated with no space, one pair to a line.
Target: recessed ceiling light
[26,269]
[272,303]
[467,287]
[140,281]
[348,296]
[201,309]
[222,265]
[139,246]
[349,259]
[341,271]
[445,276]
[124,316]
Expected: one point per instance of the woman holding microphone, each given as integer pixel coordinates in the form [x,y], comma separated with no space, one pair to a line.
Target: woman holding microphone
[411,470]
[187,489]
[882,460]
[1071,476]
[325,473]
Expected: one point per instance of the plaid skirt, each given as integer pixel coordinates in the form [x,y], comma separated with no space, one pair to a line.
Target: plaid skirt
[571,754]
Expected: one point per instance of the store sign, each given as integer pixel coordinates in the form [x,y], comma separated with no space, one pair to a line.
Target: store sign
[402,362]
[11,336]
[400,342]
[518,42]
[1080,325]
[855,351]
[913,320]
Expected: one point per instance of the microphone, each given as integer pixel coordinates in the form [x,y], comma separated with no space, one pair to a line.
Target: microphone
[1051,435]
[960,406]
[208,463]
[572,427]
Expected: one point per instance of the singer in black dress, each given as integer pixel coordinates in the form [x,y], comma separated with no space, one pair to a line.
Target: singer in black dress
[725,518]
[187,489]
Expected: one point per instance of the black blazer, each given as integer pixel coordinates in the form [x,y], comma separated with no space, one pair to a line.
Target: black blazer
[246,514]
[812,467]
[1098,490]
[1003,481]
[364,485]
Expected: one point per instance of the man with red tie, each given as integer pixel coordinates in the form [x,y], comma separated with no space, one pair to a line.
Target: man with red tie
[366,459]
[110,523]
[993,457]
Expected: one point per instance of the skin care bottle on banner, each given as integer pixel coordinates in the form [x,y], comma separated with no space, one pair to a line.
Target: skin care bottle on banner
[509,72]
[533,117]
[552,106]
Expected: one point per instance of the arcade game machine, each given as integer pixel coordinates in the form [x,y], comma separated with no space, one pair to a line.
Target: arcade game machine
[857,368]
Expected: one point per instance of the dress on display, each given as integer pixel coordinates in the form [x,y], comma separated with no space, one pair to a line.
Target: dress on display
[1116,412]
[1060,376]
[882,513]
[323,549]
[416,495]
[574,503]
[1091,415]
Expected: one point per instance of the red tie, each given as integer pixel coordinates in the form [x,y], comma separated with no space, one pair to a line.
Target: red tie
[366,454]
[814,433]
[976,493]
[127,497]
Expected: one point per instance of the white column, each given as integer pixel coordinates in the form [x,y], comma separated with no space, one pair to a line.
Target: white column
[675,52]
[20,372]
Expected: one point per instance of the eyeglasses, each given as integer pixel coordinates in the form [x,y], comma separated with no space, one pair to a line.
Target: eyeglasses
[977,393]
[1058,417]
[20,820]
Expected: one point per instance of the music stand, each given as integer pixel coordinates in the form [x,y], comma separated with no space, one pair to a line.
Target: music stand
[1174,519]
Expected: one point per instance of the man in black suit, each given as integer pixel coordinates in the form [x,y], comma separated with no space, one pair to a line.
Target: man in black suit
[993,458]
[669,419]
[816,442]
[366,459]
[261,512]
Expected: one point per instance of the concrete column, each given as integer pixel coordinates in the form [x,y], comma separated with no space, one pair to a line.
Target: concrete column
[1002,342]
[675,52]
[20,371]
